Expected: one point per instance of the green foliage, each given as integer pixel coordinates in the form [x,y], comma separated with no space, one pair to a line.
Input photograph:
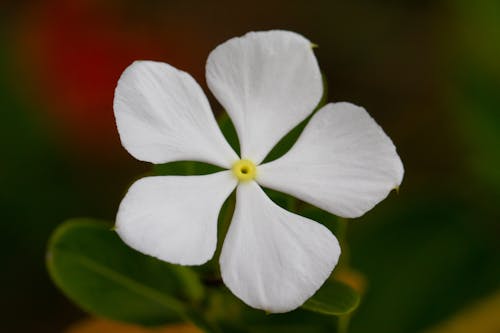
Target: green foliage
[334,298]
[227,128]
[95,269]
[184,168]
[233,316]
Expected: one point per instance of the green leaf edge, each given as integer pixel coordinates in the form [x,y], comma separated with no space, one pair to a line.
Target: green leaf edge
[309,305]
[169,302]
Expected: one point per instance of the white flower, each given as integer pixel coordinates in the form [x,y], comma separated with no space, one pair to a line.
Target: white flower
[268,82]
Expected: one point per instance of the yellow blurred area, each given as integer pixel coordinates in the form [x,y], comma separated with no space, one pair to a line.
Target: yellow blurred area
[352,278]
[482,317]
[106,326]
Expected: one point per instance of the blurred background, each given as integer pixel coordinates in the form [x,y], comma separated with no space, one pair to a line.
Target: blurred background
[428,71]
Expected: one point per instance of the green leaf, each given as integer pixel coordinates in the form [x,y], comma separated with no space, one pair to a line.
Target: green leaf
[334,298]
[234,316]
[96,270]
[184,168]
[227,128]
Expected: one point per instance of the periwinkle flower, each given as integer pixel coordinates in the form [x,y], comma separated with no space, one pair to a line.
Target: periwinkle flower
[268,82]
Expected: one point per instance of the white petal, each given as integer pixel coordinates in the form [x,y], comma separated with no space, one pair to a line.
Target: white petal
[343,162]
[268,82]
[272,259]
[163,116]
[174,218]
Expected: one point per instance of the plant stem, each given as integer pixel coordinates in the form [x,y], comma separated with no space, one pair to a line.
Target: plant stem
[343,323]
[342,238]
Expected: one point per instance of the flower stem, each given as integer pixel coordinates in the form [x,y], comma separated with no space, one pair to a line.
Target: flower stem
[343,323]
[342,238]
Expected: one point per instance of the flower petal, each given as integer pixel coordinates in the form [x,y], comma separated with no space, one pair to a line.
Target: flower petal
[272,259]
[343,162]
[174,218]
[163,116]
[268,82]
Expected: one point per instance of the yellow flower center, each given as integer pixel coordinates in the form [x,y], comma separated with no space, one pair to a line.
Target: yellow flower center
[244,170]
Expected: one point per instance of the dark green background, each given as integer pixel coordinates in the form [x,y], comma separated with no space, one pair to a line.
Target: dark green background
[428,71]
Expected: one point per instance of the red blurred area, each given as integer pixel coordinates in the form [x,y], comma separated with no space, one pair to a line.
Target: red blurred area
[72,53]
